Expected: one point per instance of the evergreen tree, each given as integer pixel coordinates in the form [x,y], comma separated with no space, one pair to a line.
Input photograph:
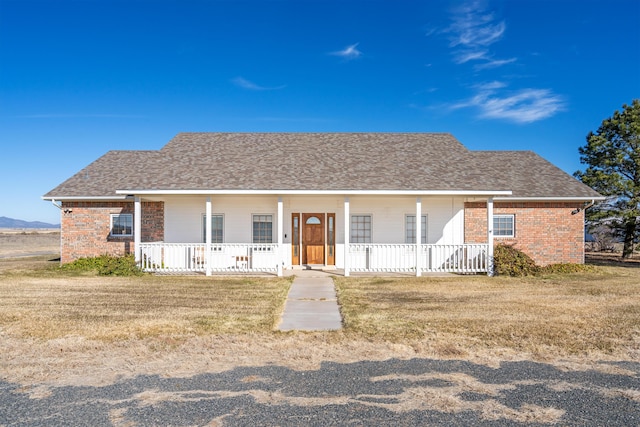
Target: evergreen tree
[612,156]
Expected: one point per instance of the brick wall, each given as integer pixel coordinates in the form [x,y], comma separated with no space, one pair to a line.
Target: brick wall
[85,231]
[547,232]
[152,221]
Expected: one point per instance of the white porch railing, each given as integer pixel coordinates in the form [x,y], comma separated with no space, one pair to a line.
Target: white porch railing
[370,257]
[192,257]
[381,257]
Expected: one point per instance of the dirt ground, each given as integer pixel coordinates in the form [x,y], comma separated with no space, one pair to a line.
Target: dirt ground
[26,242]
[612,259]
[77,361]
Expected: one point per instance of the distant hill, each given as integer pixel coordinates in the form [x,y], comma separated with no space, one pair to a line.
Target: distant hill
[18,223]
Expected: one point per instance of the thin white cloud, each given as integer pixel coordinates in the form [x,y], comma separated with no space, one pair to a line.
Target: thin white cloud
[430,31]
[349,52]
[477,30]
[490,86]
[521,106]
[524,106]
[461,57]
[474,26]
[472,31]
[494,63]
[249,85]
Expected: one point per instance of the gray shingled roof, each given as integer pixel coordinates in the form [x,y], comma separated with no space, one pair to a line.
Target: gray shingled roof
[528,175]
[321,161]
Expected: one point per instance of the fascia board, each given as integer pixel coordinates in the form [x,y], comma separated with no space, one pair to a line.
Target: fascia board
[71,198]
[547,199]
[487,193]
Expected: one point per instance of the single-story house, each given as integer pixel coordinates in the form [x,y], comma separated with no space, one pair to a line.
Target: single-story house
[246,202]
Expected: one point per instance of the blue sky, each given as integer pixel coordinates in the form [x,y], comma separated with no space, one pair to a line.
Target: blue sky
[80,78]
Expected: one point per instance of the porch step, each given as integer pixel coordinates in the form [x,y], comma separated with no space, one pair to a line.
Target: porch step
[311,305]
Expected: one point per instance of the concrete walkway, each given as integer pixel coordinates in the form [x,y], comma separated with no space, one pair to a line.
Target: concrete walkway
[311,304]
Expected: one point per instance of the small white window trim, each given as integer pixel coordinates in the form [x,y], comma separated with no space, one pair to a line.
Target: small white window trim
[204,226]
[111,218]
[273,231]
[425,230]
[351,240]
[513,226]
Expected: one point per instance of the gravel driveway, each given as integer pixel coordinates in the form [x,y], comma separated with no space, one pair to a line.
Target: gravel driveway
[394,392]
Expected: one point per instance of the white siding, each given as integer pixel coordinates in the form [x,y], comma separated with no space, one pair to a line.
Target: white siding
[446,220]
[445,217]
[183,217]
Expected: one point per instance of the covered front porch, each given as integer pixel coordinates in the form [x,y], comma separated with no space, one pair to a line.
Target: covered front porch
[359,233]
[161,257]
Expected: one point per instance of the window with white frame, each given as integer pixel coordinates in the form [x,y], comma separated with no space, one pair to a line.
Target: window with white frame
[360,229]
[121,225]
[504,225]
[410,229]
[262,228]
[217,228]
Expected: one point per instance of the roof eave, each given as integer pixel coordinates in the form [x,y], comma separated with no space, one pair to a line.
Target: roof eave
[477,193]
[549,199]
[70,198]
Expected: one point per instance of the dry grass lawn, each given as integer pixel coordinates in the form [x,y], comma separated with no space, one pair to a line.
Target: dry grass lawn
[52,305]
[61,328]
[571,314]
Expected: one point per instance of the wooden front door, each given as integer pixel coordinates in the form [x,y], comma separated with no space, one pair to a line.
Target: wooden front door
[313,238]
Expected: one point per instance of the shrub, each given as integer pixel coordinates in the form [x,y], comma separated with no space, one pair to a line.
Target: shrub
[105,265]
[566,268]
[509,261]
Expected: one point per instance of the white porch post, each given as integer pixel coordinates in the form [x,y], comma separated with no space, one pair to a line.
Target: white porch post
[207,237]
[418,237]
[490,236]
[280,231]
[347,231]
[137,228]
